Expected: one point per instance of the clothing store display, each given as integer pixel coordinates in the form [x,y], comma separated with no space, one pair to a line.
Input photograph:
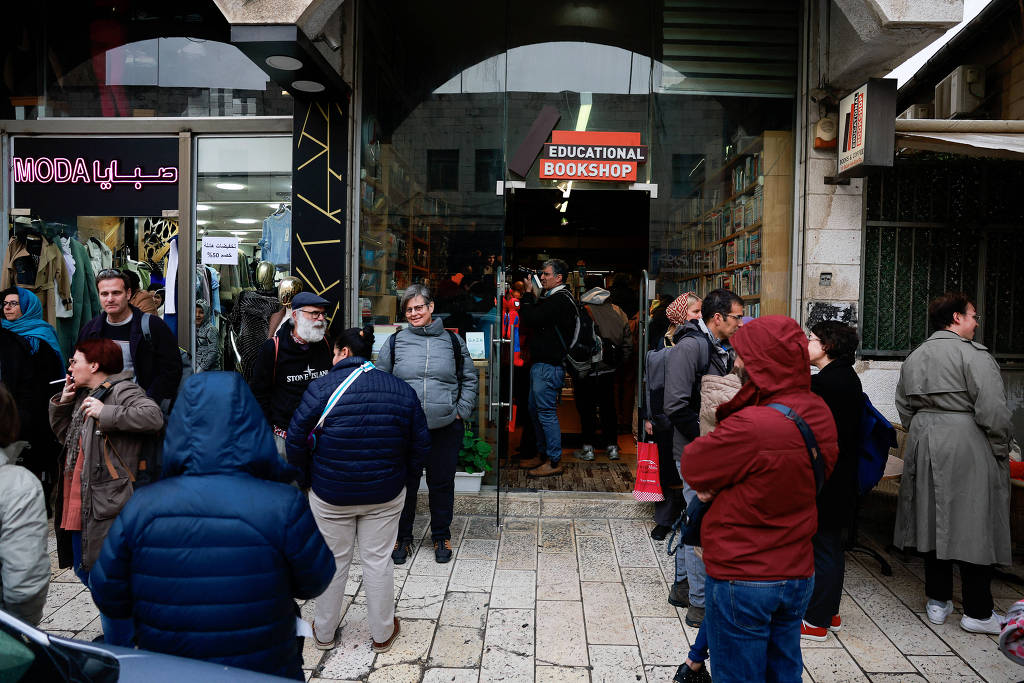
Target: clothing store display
[277,230]
[85,298]
[100,255]
[214,289]
[34,262]
[250,324]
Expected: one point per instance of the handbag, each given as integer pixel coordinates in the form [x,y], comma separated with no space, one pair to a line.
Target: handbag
[648,480]
[333,401]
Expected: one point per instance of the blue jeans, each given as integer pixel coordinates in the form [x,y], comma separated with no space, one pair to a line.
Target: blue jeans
[754,628]
[699,649]
[688,565]
[115,631]
[545,388]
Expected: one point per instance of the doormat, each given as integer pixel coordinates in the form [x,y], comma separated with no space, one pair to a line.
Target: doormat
[608,477]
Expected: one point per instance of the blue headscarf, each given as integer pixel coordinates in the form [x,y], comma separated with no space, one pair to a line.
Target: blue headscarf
[31,325]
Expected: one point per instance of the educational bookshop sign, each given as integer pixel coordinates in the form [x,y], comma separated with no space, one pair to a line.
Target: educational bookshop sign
[95,176]
[867,127]
[592,155]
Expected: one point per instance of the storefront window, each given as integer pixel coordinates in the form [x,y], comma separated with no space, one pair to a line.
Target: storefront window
[243,207]
[114,59]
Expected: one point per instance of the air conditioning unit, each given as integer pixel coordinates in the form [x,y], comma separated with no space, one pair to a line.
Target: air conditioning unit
[917,111]
[961,92]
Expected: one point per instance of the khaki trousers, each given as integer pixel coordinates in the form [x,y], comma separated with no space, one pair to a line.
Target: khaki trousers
[376,528]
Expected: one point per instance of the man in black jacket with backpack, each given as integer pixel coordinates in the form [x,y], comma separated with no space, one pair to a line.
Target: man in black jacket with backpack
[552,321]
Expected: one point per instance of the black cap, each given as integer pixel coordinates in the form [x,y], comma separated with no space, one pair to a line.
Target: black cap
[309,299]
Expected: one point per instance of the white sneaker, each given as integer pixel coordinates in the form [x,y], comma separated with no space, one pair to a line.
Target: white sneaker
[613,452]
[992,625]
[938,611]
[587,453]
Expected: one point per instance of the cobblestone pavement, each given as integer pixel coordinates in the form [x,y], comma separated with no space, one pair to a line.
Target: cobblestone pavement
[583,599]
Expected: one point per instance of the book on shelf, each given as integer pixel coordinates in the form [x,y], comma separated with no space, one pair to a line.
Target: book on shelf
[752,309]
[747,172]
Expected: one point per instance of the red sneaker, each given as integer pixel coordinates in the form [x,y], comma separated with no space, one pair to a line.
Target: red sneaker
[837,624]
[808,632]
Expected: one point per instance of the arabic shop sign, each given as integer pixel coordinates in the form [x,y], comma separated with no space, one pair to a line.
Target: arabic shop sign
[63,177]
[592,155]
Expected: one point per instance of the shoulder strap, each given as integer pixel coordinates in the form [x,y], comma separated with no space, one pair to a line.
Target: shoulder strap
[277,346]
[459,361]
[145,330]
[342,388]
[817,464]
[391,347]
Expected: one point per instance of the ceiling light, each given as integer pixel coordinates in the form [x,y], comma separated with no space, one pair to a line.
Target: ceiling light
[202,207]
[283,62]
[238,232]
[230,186]
[586,103]
[201,231]
[275,207]
[308,86]
[245,221]
[201,222]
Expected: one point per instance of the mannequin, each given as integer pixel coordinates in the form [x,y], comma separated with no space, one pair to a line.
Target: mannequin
[286,290]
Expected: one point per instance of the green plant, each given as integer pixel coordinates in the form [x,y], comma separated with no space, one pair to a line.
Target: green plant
[474,453]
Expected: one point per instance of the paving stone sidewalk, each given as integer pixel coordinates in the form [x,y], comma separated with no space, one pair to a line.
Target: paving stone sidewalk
[583,599]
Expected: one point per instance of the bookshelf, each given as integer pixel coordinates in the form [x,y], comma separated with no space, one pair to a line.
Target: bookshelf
[396,220]
[734,230]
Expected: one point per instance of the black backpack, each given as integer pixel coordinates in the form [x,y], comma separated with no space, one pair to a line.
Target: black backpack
[186,364]
[456,352]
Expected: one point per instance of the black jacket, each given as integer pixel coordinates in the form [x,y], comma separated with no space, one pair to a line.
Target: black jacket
[542,317]
[279,390]
[16,373]
[157,366]
[838,384]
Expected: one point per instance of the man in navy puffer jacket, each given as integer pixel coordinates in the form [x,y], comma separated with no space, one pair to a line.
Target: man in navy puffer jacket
[372,442]
[208,560]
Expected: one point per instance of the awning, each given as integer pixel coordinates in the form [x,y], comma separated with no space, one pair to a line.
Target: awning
[999,139]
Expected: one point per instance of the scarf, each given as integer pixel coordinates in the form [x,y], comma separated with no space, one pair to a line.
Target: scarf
[78,418]
[31,325]
[676,311]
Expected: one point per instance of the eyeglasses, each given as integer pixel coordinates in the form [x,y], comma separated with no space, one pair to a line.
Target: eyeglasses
[731,315]
[977,318]
[314,314]
[12,304]
[416,309]
[811,337]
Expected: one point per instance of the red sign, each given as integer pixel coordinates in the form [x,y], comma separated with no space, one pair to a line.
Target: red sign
[592,155]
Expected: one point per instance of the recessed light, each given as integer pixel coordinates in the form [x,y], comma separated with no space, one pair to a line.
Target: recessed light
[274,206]
[245,221]
[201,222]
[201,231]
[202,207]
[238,232]
[308,86]
[230,186]
[283,62]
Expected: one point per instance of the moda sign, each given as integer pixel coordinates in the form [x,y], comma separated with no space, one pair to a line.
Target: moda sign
[592,155]
[63,177]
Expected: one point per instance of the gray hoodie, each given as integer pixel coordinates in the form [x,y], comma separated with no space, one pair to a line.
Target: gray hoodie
[24,564]
[427,362]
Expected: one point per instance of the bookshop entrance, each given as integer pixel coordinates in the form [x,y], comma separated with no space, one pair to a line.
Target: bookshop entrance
[603,237]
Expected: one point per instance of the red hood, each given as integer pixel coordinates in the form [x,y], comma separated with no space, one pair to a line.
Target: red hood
[774,353]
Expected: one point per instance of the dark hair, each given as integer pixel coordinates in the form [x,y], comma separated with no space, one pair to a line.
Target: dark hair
[838,340]
[134,283]
[104,352]
[592,281]
[114,273]
[10,422]
[358,341]
[558,267]
[718,301]
[941,309]
[10,290]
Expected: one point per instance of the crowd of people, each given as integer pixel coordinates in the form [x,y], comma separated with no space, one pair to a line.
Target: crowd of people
[152,479]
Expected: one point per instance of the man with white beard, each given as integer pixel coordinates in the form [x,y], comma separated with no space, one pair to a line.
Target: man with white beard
[289,361]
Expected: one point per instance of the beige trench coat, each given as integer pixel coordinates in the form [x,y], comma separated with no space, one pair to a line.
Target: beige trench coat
[955,493]
[126,416]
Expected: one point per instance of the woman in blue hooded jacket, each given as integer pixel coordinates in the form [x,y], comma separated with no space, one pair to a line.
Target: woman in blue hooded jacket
[209,560]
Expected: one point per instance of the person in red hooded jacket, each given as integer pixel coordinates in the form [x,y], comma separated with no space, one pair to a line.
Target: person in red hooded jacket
[756,534]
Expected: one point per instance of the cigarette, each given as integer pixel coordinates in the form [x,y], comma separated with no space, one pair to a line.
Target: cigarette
[58,381]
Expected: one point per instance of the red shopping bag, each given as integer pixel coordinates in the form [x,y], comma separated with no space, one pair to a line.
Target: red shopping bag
[648,481]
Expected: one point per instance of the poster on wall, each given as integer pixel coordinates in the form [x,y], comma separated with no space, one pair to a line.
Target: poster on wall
[94,176]
[220,250]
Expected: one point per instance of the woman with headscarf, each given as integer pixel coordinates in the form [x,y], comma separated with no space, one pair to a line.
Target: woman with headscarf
[208,355]
[23,315]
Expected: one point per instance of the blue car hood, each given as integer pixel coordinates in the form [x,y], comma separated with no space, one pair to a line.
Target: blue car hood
[217,427]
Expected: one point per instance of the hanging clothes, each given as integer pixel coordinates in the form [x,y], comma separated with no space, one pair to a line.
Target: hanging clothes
[100,255]
[276,244]
[37,264]
[171,287]
[63,311]
[214,289]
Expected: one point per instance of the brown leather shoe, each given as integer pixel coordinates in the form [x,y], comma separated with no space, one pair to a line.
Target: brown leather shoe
[531,463]
[386,645]
[545,470]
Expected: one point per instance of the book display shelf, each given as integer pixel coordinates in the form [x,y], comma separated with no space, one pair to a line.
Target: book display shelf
[735,227]
[396,221]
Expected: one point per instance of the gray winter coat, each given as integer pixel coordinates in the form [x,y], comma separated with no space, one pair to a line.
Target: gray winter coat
[611,321]
[955,492]
[687,362]
[24,564]
[426,361]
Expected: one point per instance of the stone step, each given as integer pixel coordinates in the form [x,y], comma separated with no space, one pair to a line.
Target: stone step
[555,504]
